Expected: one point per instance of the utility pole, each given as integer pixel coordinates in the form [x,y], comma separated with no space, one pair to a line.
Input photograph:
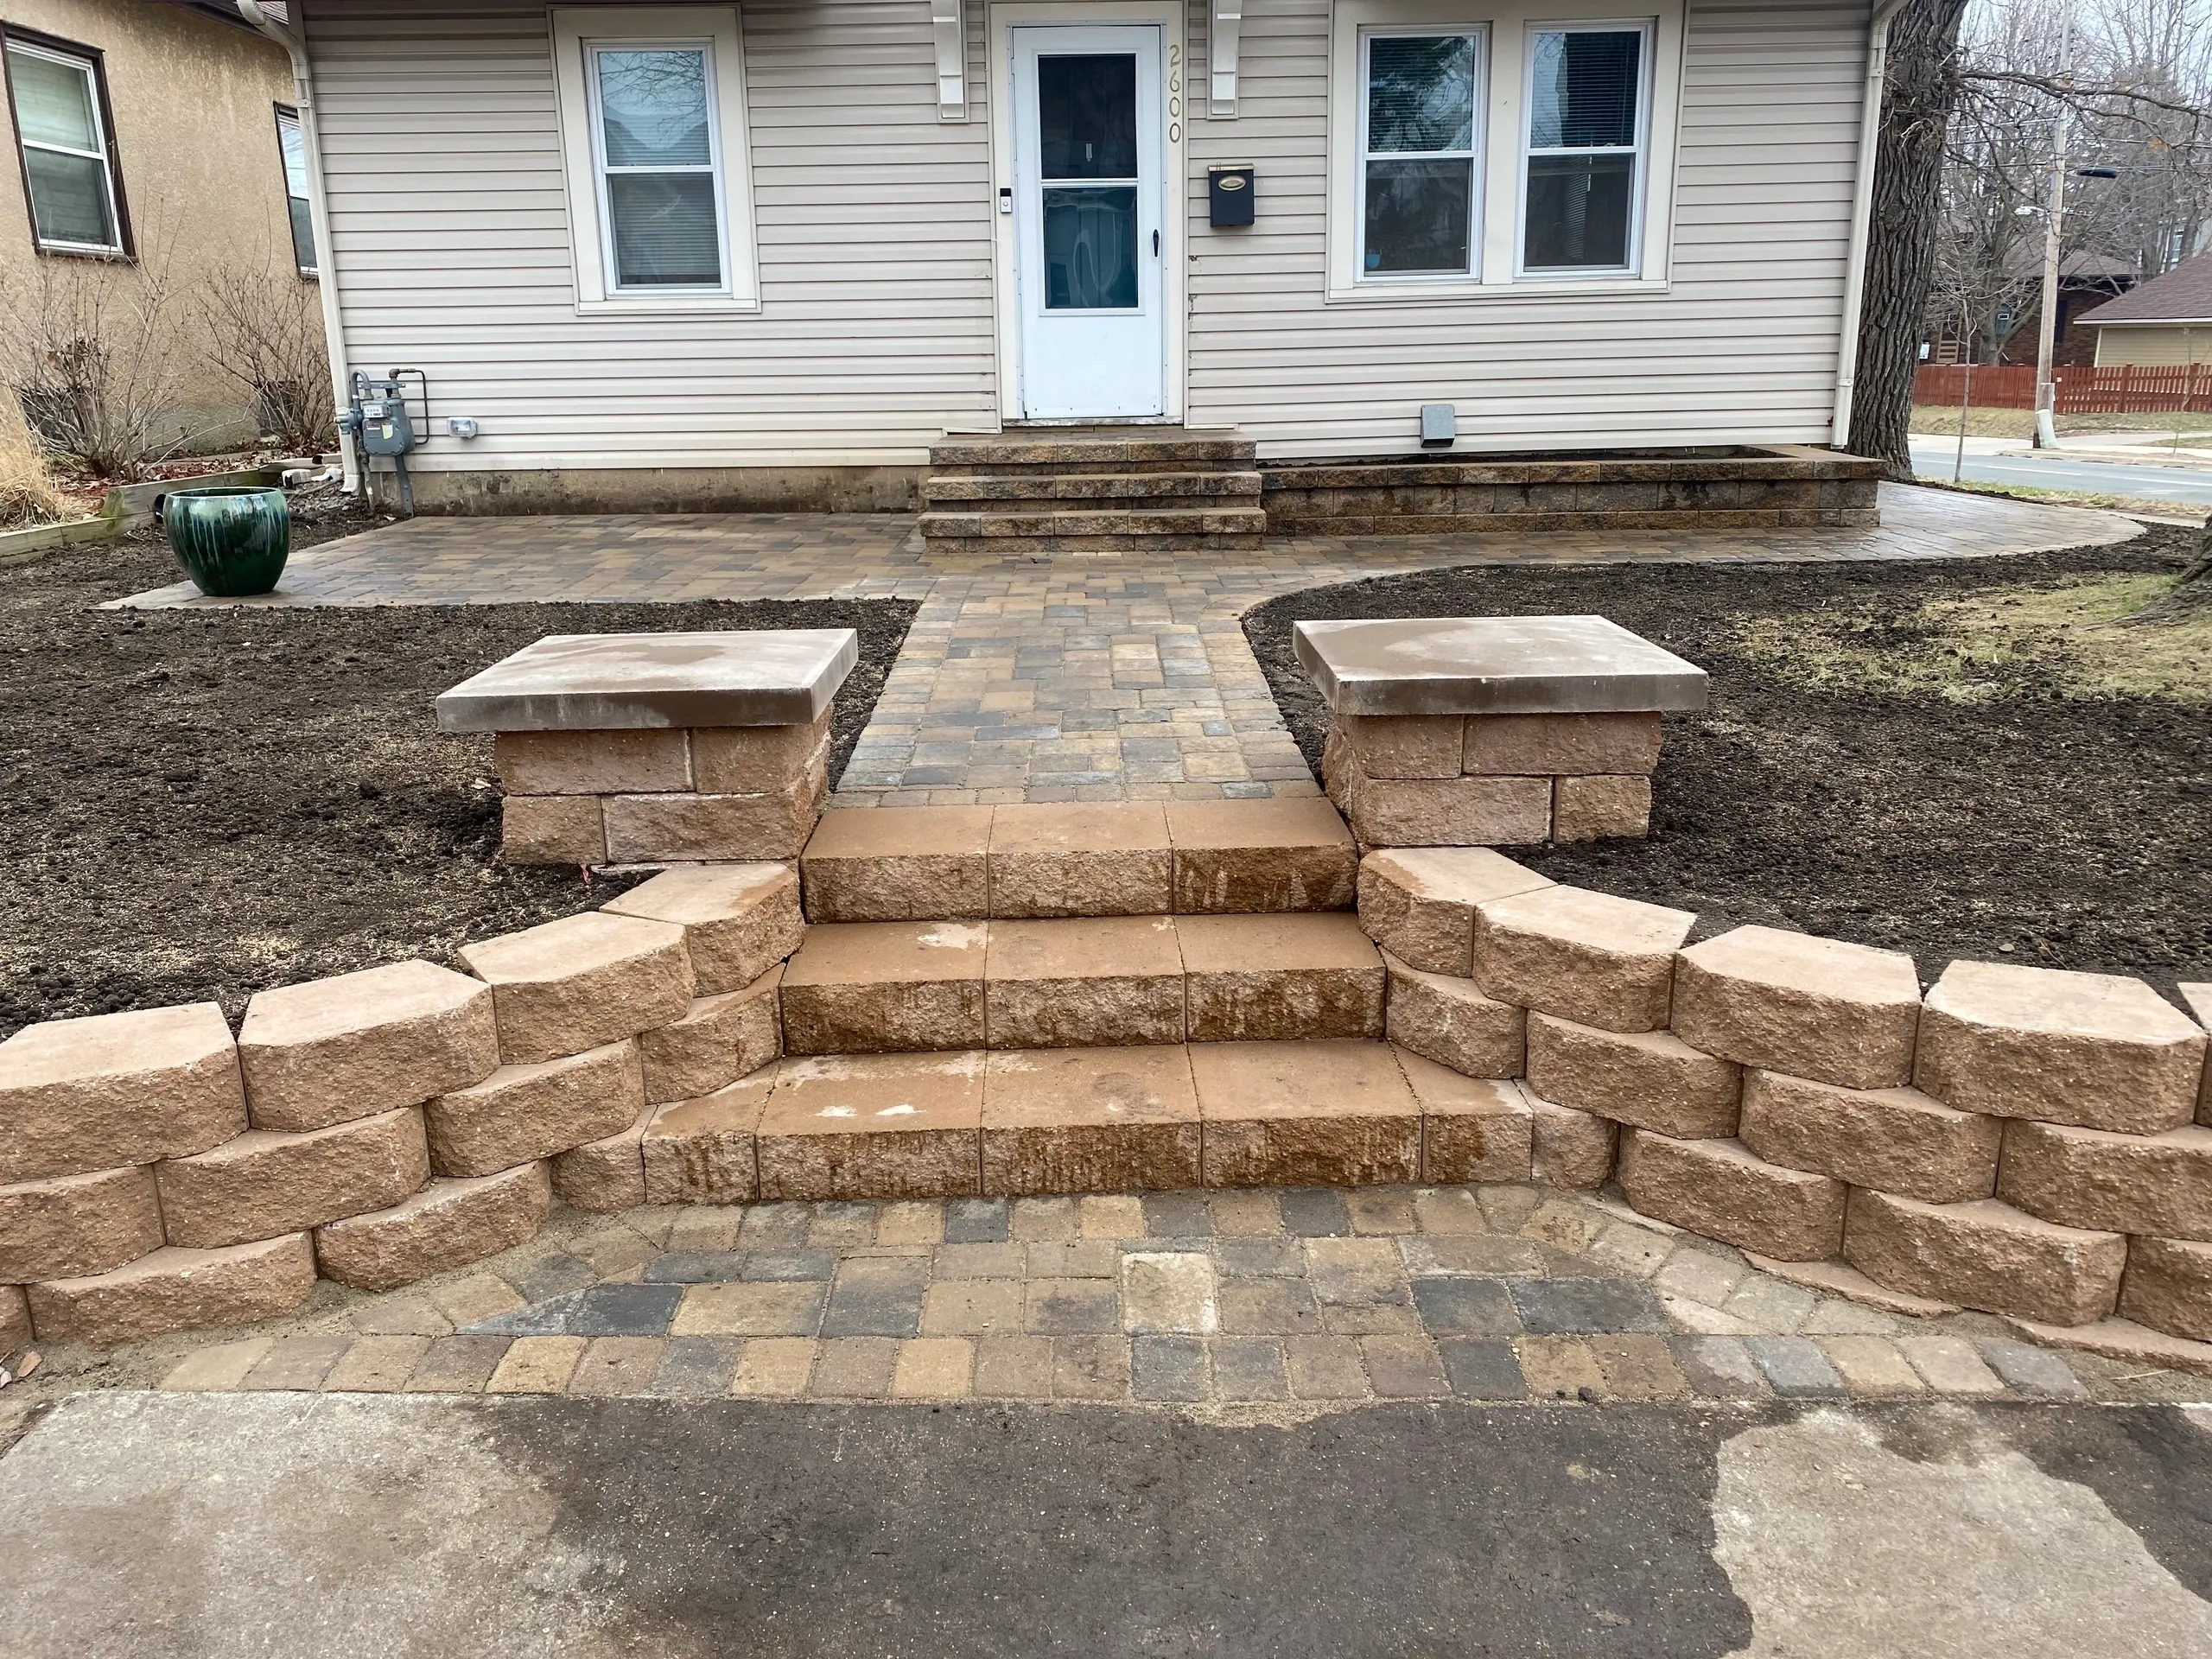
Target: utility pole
[2054,224]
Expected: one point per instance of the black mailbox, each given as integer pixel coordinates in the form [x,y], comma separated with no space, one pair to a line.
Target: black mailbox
[1228,196]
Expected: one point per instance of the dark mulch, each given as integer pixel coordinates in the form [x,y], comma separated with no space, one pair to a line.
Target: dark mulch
[198,805]
[2043,826]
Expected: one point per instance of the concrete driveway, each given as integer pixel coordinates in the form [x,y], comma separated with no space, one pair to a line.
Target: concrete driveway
[284,1524]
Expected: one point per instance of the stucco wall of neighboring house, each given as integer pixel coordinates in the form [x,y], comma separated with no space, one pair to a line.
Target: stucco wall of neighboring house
[194,103]
[2153,344]
[876,330]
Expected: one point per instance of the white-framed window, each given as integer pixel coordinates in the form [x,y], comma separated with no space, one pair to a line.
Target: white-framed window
[292,151]
[62,134]
[652,115]
[1558,181]
[1582,156]
[1420,133]
[658,171]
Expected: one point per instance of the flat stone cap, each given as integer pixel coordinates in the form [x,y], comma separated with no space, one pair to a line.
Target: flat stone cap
[623,682]
[1494,666]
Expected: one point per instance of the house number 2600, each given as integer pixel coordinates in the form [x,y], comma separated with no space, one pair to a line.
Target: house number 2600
[1175,94]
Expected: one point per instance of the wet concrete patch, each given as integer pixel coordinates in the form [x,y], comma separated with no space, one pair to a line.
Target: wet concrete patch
[985,1530]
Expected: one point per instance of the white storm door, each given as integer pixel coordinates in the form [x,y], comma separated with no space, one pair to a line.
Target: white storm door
[1088,150]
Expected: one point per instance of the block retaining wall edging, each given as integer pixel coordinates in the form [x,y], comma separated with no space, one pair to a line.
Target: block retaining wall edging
[2025,1141]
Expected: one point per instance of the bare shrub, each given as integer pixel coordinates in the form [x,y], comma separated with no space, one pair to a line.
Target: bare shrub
[264,326]
[93,362]
[27,493]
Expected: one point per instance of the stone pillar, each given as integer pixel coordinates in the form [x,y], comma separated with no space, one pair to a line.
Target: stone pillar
[1492,731]
[659,748]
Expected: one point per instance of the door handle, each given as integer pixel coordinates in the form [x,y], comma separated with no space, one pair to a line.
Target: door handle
[1155,244]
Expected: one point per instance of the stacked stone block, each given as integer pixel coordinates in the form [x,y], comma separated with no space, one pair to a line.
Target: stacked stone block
[1756,485]
[1486,781]
[1492,731]
[2027,1141]
[659,748]
[2031,1143]
[372,1129]
[661,797]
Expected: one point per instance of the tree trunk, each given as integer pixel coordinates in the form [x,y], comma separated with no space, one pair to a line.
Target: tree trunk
[1920,86]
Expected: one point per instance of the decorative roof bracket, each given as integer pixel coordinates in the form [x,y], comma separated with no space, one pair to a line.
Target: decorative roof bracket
[949,24]
[1225,17]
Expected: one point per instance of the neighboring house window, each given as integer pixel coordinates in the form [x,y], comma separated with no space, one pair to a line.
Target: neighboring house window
[1581,192]
[652,117]
[1420,144]
[292,144]
[63,134]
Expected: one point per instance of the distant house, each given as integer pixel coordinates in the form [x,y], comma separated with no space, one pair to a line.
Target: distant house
[772,253]
[2166,321]
[154,143]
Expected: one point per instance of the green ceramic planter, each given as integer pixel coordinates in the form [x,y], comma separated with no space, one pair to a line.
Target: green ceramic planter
[233,542]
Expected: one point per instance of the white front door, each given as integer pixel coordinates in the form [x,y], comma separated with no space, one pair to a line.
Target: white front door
[1088,206]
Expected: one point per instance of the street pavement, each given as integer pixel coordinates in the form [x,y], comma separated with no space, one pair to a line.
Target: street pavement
[2008,461]
[239,1524]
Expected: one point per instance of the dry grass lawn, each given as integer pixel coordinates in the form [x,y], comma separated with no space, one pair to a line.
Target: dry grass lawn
[1970,648]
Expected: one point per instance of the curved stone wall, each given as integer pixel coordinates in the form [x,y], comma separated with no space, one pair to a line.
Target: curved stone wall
[2030,1142]
[2022,1141]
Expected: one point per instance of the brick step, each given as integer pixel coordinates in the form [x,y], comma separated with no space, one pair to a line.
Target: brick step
[864,988]
[1029,492]
[1133,858]
[1157,1117]
[1063,523]
[1093,449]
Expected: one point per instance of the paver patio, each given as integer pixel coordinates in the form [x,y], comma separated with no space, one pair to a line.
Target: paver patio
[1099,678]
[1227,1297]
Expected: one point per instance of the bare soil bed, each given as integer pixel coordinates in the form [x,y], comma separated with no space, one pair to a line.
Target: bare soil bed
[200,803]
[1962,758]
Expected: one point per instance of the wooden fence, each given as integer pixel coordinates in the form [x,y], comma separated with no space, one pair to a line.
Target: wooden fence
[2082,390]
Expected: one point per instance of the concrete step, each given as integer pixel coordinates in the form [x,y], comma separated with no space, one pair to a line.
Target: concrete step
[872,864]
[1091,547]
[1093,522]
[1092,450]
[1095,491]
[1158,1117]
[861,988]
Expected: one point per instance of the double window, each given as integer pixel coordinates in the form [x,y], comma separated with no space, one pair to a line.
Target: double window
[652,117]
[64,138]
[292,151]
[1491,151]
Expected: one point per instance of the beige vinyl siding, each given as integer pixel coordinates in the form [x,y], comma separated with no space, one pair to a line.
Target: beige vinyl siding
[450,218]
[1741,347]
[876,329]
[2154,345]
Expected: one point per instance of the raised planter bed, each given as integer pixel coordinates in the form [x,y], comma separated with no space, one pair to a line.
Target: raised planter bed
[127,508]
[1751,486]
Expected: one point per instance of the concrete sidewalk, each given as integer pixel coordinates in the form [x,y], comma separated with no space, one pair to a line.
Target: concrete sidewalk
[240,1525]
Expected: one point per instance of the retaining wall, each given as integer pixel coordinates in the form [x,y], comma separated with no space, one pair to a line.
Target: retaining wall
[2033,1143]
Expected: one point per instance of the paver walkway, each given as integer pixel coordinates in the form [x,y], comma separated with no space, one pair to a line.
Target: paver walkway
[1230,1298]
[1107,678]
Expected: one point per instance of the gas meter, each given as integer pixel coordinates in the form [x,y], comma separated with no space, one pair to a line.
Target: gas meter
[378,417]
